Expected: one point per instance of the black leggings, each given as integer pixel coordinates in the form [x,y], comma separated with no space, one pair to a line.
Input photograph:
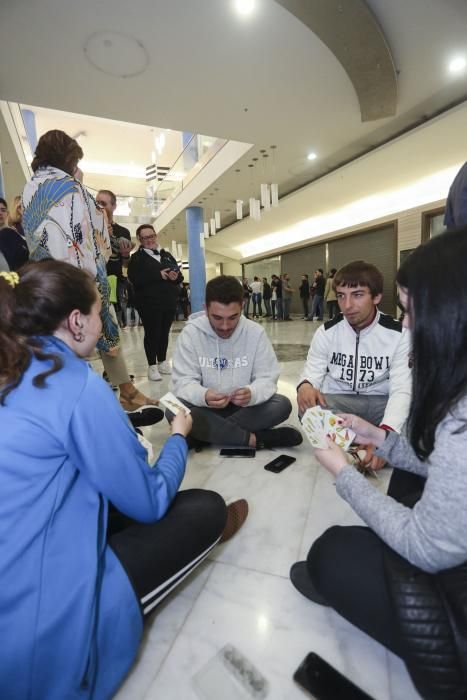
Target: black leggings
[361,595]
[156,323]
[157,557]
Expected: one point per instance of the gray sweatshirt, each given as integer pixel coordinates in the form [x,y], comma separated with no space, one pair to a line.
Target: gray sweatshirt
[433,534]
[202,361]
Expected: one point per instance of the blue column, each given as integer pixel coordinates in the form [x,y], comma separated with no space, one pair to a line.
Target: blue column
[29,120]
[194,226]
[190,151]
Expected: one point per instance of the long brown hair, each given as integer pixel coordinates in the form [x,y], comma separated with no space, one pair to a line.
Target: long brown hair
[46,293]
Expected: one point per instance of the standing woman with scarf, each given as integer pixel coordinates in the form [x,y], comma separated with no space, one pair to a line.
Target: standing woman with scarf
[61,220]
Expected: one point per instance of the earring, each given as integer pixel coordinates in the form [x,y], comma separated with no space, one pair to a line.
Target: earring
[79,337]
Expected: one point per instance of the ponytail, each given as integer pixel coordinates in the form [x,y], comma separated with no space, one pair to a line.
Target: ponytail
[33,303]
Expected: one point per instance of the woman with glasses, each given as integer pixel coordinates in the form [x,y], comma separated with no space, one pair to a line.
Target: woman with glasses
[155,276]
[402,579]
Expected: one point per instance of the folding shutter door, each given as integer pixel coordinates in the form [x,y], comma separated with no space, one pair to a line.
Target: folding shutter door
[303,261]
[378,247]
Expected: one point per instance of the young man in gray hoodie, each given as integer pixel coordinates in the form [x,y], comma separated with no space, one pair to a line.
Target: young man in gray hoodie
[225,370]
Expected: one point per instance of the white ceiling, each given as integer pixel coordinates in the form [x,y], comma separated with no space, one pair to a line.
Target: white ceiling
[266,80]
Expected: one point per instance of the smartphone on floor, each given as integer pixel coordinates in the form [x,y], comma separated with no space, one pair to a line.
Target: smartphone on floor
[323,682]
[238,452]
[279,464]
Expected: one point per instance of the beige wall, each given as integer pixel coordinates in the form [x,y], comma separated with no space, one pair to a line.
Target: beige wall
[13,176]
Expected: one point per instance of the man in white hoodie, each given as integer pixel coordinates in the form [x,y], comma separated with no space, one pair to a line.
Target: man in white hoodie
[225,370]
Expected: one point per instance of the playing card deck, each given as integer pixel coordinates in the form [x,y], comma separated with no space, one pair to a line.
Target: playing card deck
[317,422]
[174,405]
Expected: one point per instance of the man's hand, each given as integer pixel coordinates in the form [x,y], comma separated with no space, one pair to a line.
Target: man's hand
[215,400]
[371,461]
[173,276]
[308,396]
[165,273]
[241,397]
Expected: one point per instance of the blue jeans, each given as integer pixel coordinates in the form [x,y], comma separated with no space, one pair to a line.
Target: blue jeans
[257,303]
[317,308]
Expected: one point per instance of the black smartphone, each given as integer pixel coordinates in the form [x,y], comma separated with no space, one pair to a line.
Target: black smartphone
[280,463]
[238,452]
[323,682]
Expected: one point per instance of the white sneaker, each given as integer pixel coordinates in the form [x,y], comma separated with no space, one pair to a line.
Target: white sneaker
[153,373]
[165,368]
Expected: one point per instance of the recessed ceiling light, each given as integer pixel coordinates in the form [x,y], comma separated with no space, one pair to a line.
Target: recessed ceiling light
[245,7]
[312,156]
[457,65]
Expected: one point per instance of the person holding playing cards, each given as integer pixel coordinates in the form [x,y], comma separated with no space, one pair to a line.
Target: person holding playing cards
[93,535]
[225,370]
[402,578]
[359,361]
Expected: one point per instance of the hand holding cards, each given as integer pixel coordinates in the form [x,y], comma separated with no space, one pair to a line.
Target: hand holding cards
[319,422]
[173,404]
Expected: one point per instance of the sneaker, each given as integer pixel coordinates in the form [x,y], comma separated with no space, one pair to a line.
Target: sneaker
[301,580]
[278,437]
[145,416]
[153,373]
[165,368]
[195,444]
[237,513]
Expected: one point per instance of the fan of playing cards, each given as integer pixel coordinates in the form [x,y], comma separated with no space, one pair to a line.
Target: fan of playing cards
[318,422]
[174,405]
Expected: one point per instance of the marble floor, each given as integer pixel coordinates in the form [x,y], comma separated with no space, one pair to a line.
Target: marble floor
[242,595]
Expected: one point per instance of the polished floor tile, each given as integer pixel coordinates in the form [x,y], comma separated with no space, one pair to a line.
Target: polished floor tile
[242,595]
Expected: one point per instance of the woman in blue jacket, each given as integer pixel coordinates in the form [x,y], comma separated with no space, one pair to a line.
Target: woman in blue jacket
[74,592]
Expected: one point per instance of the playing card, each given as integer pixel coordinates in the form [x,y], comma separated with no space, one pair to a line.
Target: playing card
[318,422]
[341,436]
[313,425]
[174,405]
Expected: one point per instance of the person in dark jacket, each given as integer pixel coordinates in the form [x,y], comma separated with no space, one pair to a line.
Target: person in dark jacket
[317,307]
[304,290]
[13,244]
[276,286]
[155,276]
[121,243]
[247,291]
[267,293]
[407,570]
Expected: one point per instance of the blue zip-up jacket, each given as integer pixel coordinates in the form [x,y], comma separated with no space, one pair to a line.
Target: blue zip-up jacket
[70,622]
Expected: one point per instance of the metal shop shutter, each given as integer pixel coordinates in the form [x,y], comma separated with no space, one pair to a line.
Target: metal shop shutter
[379,247]
[303,261]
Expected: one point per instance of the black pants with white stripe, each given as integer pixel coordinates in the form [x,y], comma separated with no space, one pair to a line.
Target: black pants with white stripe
[157,557]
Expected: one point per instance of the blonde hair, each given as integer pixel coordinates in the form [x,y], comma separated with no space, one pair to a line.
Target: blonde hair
[14,216]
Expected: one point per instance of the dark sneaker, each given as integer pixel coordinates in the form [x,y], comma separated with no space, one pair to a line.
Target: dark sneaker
[145,416]
[278,437]
[302,582]
[195,444]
